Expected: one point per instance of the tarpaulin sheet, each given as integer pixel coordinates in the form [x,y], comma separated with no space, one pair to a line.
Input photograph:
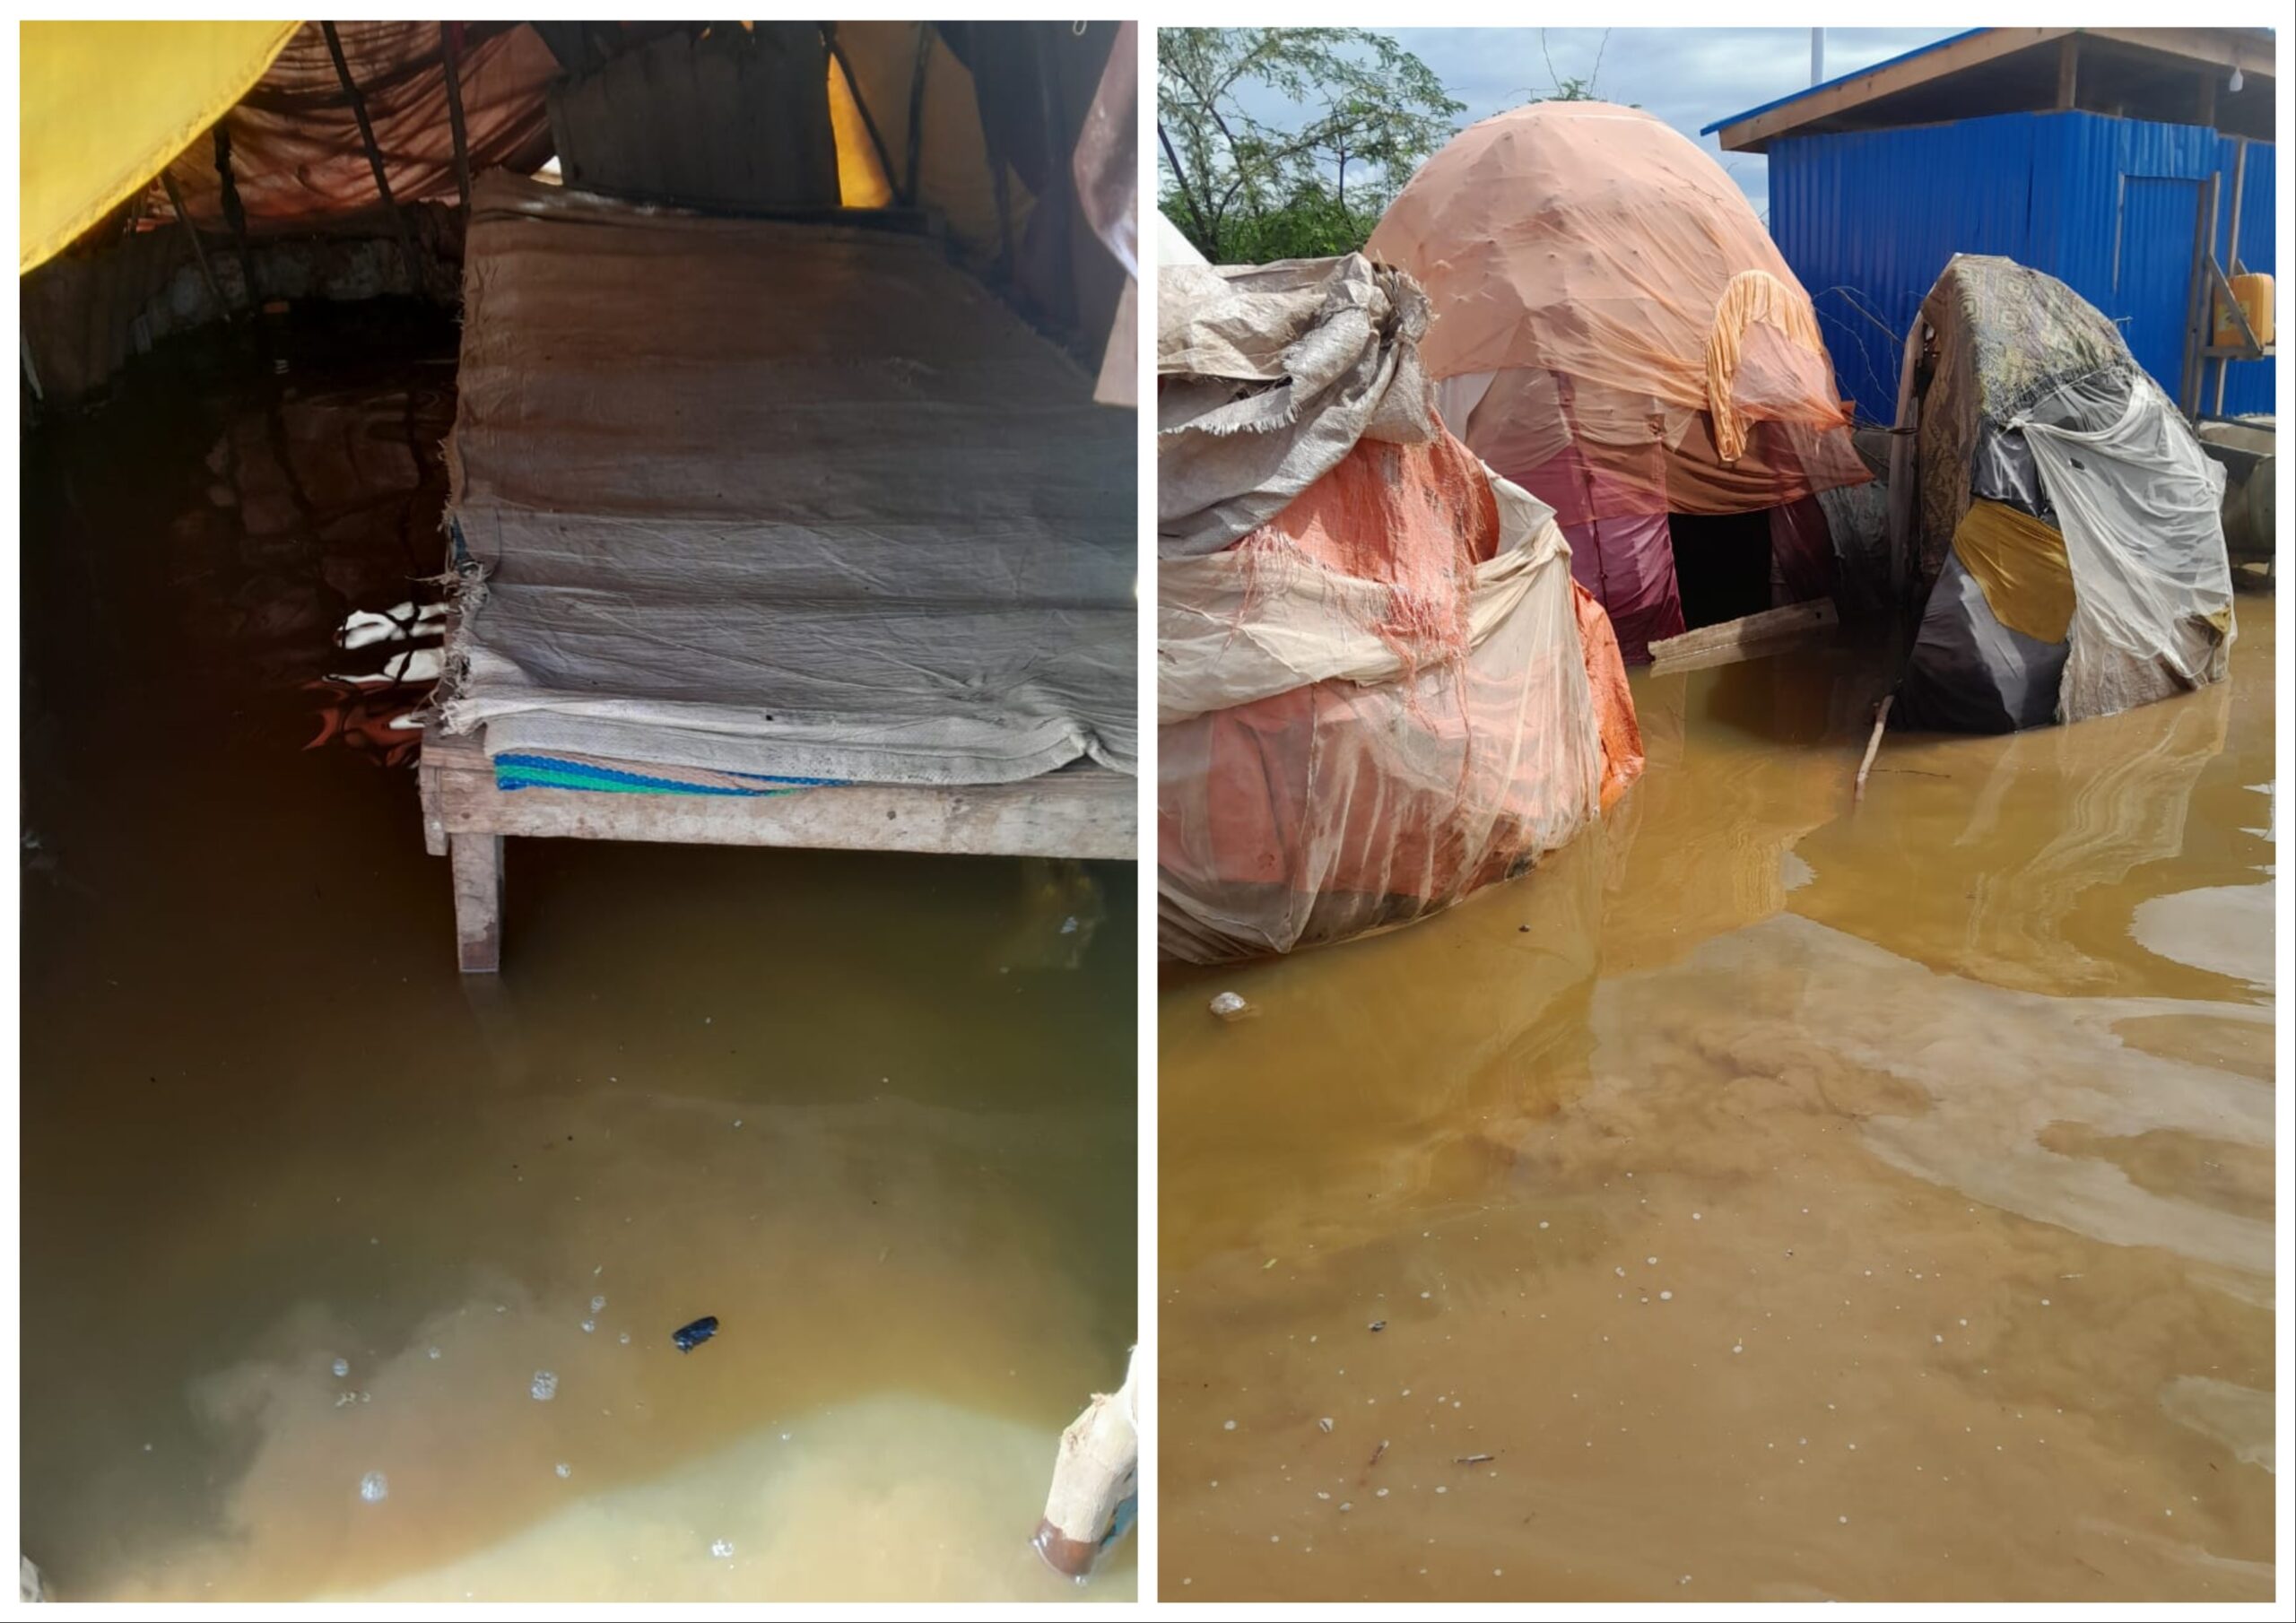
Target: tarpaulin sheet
[800,500]
[2069,518]
[2151,585]
[106,105]
[1604,307]
[1388,694]
[2019,565]
[1597,243]
[1267,376]
[297,158]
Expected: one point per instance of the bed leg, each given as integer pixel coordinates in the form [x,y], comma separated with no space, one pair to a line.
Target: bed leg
[1095,1484]
[477,861]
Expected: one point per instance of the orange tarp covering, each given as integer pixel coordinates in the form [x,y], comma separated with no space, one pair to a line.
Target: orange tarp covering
[1611,329]
[1596,243]
[1340,806]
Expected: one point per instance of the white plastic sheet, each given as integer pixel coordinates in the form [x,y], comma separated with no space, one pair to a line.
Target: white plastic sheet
[2139,505]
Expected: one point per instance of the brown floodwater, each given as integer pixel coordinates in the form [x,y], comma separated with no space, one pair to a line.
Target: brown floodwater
[1769,1198]
[874,1114]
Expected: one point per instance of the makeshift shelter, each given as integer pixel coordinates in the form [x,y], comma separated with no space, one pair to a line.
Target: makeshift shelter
[779,515]
[1613,330]
[857,570]
[2068,517]
[1377,686]
[1015,141]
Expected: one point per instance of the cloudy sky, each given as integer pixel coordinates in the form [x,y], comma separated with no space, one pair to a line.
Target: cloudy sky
[1690,78]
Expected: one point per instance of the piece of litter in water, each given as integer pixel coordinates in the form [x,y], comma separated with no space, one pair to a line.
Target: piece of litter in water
[374,1488]
[436,1353]
[1325,1423]
[589,1325]
[564,1469]
[544,1387]
[1228,1006]
[722,1548]
[625,1338]
[598,1304]
[341,1367]
[691,1336]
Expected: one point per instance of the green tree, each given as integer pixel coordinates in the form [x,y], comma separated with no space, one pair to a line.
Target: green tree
[1246,187]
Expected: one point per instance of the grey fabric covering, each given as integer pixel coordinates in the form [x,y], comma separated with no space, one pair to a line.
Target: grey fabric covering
[2005,337]
[2141,508]
[802,500]
[1267,376]
[1970,673]
[2036,403]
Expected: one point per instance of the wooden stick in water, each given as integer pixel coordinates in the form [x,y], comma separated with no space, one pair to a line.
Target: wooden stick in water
[1872,745]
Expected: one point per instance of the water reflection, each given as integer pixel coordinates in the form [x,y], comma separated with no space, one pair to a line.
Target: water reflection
[874,1114]
[1790,1199]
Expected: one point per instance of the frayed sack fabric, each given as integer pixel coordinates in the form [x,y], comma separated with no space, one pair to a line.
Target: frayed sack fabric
[1268,375]
[795,500]
[1388,693]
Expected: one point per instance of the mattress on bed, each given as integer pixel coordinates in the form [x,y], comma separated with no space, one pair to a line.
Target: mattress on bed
[777,500]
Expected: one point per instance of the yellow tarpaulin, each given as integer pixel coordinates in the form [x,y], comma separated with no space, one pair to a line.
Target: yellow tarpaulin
[106,105]
[2021,567]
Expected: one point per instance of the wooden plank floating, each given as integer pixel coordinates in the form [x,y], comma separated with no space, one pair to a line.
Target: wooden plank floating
[1749,637]
[1082,811]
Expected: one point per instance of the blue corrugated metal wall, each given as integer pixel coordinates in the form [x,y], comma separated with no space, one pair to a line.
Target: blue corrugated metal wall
[1868,220]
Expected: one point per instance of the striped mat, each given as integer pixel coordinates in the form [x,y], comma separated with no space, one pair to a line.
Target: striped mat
[520,771]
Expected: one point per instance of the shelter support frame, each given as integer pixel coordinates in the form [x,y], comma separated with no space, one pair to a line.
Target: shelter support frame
[1080,811]
[2211,285]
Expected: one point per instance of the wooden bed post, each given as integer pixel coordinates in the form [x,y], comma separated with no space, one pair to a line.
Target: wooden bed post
[1095,1480]
[477,861]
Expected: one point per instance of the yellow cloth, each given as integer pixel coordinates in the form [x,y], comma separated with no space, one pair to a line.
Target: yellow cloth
[2021,567]
[1749,297]
[953,156]
[861,180]
[107,105]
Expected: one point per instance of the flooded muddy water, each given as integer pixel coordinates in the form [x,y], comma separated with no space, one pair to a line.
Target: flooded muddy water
[1767,1199]
[874,1114]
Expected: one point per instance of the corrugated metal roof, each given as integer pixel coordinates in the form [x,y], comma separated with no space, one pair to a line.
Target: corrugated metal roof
[1871,67]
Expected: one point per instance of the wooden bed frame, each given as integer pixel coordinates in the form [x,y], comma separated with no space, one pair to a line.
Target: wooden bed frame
[1081,811]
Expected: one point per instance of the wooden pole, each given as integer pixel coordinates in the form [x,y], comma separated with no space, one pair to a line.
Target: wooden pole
[374,154]
[450,50]
[235,213]
[2233,254]
[1873,746]
[917,114]
[1905,466]
[198,248]
[2196,300]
